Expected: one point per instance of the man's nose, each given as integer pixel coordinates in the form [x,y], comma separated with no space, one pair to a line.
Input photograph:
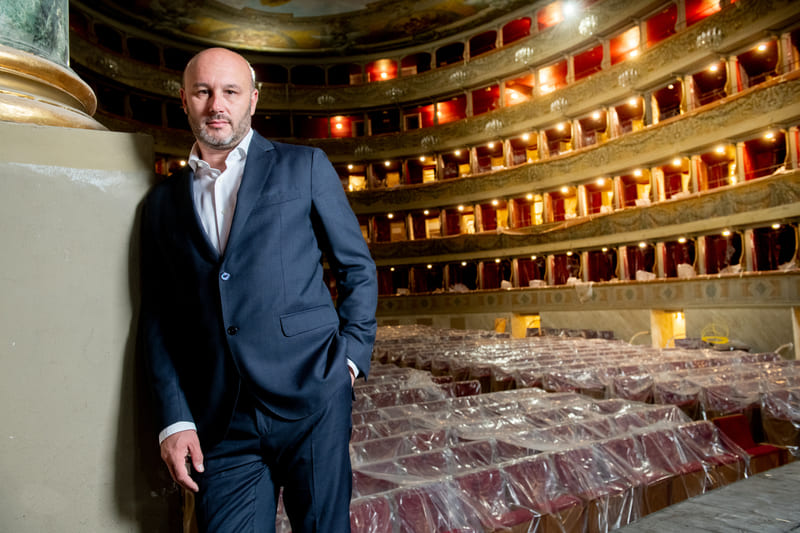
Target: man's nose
[215,103]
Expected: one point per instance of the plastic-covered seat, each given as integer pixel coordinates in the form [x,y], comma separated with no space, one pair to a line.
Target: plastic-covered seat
[664,451]
[535,484]
[366,484]
[433,508]
[780,418]
[371,515]
[655,481]
[471,455]
[762,457]
[612,500]
[726,461]
[487,495]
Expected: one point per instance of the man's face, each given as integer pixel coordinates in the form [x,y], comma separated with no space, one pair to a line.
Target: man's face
[218,98]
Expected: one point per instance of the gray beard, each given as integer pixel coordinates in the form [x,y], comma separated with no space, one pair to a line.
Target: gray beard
[223,143]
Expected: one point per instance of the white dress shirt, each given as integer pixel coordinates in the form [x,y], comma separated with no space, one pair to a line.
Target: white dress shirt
[215,192]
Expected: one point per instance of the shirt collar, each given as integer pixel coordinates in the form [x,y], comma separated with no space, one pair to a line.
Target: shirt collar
[239,153]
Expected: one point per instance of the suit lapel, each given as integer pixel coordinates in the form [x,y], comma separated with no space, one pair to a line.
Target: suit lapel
[257,171]
[192,218]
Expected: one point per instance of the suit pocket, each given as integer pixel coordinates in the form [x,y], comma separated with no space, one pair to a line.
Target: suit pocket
[308,319]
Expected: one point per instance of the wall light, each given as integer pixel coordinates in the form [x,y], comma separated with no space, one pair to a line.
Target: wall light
[642,244]
[776,226]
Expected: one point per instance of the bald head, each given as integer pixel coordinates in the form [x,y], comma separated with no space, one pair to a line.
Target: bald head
[220,56]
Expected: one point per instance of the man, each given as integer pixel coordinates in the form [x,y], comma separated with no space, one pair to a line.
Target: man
[250,364]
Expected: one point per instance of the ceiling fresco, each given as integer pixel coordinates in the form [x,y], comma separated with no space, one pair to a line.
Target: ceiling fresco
[305,26]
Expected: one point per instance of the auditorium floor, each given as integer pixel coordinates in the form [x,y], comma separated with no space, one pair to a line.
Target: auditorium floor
[766,503]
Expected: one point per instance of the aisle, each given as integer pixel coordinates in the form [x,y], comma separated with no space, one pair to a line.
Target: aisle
[765,503]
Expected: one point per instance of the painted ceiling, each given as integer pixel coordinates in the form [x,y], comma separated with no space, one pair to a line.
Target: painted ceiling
[306,26]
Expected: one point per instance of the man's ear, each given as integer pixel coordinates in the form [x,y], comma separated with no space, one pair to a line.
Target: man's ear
[253,102]
[183,100]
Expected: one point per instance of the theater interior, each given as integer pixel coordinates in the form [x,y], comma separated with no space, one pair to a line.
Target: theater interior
[585,217]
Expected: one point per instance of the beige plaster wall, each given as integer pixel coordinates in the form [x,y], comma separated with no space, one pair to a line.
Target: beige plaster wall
[765,329]
[76,454]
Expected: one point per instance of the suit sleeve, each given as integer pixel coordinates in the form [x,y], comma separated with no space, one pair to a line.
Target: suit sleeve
[349,259]
[169,402]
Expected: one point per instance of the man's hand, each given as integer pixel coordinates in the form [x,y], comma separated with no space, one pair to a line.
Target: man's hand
[176,451]
[352,376]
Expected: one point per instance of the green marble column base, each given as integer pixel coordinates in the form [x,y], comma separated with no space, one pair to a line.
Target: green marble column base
[34,90]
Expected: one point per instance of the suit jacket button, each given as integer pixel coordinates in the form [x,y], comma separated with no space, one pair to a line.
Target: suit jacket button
[233,330]
[225,276]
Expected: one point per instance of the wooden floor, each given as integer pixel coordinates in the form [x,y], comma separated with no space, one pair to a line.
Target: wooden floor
[765,503]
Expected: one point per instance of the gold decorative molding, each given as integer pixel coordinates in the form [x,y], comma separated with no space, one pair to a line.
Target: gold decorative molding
[35,90]
[749,204]
[734,118]
[738,292]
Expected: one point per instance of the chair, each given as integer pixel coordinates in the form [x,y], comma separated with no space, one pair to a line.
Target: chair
[726,461]
[655,481]
[611,499]
[537,488]
[371,515]
[433,508]
[663,451]
[486,494]
[763,456]
[366,484]
[780,417]
[471,455]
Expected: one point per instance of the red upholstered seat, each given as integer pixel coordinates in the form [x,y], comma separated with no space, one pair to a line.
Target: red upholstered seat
[655,481]
[664,451]
[366,484]
[486,494]
[433,508]
[537,488]
[762,457]
[727,462]
[471,455]
[371,515]
[611,499]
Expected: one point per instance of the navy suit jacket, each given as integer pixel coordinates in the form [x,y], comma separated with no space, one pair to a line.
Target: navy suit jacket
[260,316]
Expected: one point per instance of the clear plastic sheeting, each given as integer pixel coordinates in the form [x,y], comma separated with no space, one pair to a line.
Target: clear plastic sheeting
[522,460]
[780,417]
[465,432]
[704,383]
[526,460]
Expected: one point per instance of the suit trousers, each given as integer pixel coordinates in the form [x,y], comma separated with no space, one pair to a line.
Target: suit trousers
[262,453]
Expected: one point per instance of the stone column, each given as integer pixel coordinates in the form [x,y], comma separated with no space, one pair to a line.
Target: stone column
[36,84]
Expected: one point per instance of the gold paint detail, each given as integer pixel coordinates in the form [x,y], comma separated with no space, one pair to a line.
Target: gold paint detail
[38,91]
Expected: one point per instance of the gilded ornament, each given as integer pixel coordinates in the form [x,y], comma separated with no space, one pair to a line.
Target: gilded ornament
[588,25]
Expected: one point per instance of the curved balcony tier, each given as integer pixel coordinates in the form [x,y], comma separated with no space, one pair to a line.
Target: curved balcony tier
[772,104]
[749,204]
